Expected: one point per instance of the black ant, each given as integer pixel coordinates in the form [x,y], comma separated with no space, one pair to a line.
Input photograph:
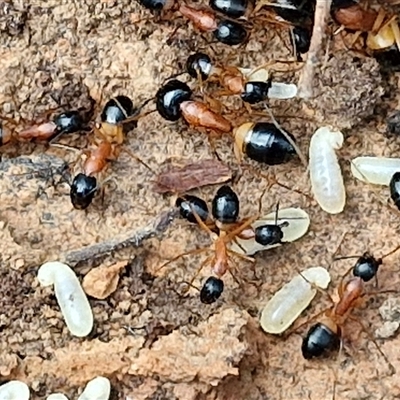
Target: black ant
[117,118]
[326,335]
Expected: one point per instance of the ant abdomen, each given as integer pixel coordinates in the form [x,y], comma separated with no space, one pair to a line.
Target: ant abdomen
[367,267]
[230,33]
[225,205]
[211,290]
[395,189]
[69,122]
[199,63]
[170,97]
[231,8]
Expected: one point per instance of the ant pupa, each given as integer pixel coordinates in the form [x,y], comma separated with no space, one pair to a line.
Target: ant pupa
[325,173]
[375,170]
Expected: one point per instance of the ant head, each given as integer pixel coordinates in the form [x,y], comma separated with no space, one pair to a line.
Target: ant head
[169,98]
[188,203]
[268,235]
[301,38]
[230,33]
[211,290]
[255,92]
[83,189]
[320,340]
[199,63]
[366,267]
[225,205]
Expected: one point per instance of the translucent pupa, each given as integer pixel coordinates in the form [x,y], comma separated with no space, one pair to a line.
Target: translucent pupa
[97,389]
[298,223]
[14,390]
[70,296]
[286,305]
[326,176]
[375,170]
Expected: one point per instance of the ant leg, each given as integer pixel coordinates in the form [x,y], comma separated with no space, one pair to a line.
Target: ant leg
[231,235]
[335,371]
[201,223]
[199,269]
[287,137]
[237,269]
[138,160]
[242,256]
[191,252]
[371,337]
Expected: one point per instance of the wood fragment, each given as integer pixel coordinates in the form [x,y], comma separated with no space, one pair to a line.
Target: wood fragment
[305,85]
[191,176]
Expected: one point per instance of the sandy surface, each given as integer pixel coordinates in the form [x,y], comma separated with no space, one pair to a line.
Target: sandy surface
[151,342]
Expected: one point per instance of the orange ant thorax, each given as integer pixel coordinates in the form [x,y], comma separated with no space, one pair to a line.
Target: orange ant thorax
[98,158]
[111,132]
[353,290]
[220,260]
[233,82]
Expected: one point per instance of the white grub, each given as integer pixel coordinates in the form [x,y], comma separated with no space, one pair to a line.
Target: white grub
[282,91]
[299,222]
[97,389]
[14,390]
[292,299]
[57,396]
[326,176]
[71,298]
[375,170]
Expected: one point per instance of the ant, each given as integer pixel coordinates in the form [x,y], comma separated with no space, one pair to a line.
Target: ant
[383,33]
[253,86]
[326,335]
[117,118]
[225,228]
[225,31]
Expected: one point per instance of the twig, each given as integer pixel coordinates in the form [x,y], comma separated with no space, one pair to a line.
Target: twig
[134,239]
[305,86]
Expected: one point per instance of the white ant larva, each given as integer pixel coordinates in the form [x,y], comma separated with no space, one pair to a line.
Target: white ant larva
[57,396]
[292,299]
[97,389]
[14,390]
[325,173]
[70,296]
[375,170]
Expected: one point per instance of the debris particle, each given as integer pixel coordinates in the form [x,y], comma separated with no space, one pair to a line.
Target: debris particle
[102,281]
[191,176]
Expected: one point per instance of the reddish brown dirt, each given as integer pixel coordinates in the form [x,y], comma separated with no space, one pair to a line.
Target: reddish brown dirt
[149,340]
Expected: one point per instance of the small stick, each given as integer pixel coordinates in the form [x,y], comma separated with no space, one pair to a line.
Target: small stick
[134,238]
[305,86]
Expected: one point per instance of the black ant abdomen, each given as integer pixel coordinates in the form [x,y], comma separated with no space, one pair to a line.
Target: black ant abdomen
[302,40]
[169,98]
[211,290]
[199,63]
[263,142]
[117,110]
[255,92]
[69,122]
[225,205]
[319,341]
[367,267]
[268,235]
[157,5]
[82,191]
[188,203]
[230,33]
[230,8]
[395,189]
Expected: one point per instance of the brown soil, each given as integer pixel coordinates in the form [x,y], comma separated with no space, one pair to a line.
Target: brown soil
[151,342]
